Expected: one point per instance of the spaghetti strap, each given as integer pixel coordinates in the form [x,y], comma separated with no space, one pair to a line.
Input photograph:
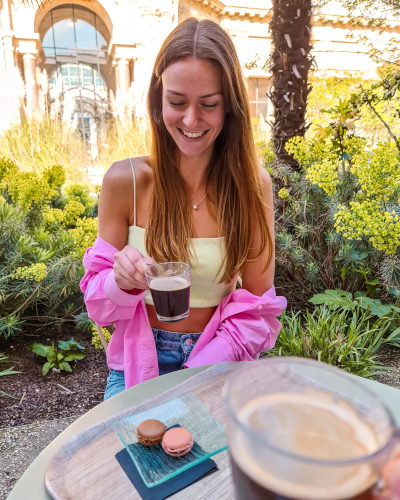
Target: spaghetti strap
[134,192]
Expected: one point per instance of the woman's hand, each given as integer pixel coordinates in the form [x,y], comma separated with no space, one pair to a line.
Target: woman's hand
[129,268]
[391,479]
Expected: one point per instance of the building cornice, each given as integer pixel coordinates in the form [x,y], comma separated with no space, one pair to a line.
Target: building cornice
[348,23]
[264,15]
[221,9]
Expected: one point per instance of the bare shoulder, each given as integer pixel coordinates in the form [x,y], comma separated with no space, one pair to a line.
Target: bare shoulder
[119,176]
[265,178]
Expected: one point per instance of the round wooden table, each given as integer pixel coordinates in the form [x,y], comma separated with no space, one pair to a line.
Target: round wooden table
[31,484]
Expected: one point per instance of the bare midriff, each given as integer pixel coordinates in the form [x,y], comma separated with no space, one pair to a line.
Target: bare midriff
[196,322]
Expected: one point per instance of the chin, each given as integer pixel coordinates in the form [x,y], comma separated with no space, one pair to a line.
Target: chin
[191,150]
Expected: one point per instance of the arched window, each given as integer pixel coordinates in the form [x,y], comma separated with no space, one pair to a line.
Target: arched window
[75,41]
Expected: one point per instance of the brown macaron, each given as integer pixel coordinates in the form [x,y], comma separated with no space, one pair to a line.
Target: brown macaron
[150,432]
[177,442]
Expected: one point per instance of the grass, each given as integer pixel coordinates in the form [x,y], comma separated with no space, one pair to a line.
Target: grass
[347,339]
[125,141]
[35,144]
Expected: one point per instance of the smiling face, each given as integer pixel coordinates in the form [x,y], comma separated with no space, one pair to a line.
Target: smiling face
[193,104]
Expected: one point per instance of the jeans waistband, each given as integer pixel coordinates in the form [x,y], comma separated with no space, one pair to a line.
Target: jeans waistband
[173,339]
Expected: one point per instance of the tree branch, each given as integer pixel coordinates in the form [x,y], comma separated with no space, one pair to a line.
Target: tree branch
[383,121]
[27,300]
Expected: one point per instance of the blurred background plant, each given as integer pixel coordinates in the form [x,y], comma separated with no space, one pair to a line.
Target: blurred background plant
[6,371]
[44,232]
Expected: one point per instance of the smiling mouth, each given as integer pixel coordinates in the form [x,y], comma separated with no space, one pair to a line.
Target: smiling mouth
[192,135]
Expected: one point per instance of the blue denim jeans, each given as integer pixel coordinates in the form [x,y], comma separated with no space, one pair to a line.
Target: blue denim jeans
[173,350]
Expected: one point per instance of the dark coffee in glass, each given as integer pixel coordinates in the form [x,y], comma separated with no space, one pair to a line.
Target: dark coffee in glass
[248,489]
[302,430]
[170,297]
[169,285]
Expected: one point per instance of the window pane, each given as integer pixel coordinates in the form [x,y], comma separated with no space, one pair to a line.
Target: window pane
[48,40]
[263,109]
[85,35]
[263,87]
[64,33]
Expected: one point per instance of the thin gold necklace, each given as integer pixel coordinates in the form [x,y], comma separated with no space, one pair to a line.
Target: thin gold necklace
[198,204]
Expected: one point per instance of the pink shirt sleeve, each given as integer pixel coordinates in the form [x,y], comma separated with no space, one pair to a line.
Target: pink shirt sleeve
[247,327]
[105,301]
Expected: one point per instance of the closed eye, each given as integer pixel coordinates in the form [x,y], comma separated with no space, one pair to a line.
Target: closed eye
[176,103]
[209,106]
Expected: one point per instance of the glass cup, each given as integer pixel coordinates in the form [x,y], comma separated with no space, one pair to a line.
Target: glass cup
[169,285]
[300,429]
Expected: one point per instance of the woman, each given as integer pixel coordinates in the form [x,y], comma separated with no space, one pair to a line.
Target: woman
[200,197]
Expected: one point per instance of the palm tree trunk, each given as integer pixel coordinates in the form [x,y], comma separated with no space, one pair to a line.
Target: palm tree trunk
[291,33]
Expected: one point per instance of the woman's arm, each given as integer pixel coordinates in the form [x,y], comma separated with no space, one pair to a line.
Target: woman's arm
[116,204]
[116,214]
[254,278]
[114,279]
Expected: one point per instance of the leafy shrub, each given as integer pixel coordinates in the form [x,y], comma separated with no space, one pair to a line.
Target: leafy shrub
[70,350]
[43,236]
[338,225]
[343,332]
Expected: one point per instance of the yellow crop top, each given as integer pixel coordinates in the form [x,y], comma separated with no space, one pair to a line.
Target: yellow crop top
[205,289]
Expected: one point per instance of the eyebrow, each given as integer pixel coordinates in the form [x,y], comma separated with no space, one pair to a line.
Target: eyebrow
[201,97]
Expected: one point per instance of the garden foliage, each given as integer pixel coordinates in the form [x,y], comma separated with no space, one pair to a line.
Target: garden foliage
[44,232]
[70,350]
[6,371]
[347,338]
[339,224]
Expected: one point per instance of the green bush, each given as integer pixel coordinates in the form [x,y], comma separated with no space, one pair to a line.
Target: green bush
[346,332]
[338,226]
[43,236]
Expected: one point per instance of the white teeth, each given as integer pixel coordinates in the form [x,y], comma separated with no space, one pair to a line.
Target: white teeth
[192,135]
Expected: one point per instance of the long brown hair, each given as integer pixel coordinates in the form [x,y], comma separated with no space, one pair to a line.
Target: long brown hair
[233,170]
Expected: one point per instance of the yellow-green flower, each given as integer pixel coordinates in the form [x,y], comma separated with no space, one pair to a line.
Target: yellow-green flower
[52,215]
[84,236]
[72,211]
[284,194]
[35,272]
[368,219]
[378,170]
[96,341]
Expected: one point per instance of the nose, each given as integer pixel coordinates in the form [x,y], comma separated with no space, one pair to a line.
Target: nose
[191,118]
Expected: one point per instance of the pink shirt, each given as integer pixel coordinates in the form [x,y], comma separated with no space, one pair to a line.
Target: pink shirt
[243,326]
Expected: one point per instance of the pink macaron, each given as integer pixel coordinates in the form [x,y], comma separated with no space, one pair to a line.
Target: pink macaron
[177,442]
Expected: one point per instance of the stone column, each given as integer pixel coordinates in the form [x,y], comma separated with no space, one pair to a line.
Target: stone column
[32,88]
[124,76]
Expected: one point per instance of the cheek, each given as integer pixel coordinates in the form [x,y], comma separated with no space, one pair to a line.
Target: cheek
[218,119]
[170,115]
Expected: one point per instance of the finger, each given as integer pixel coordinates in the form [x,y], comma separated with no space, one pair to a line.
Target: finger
[125,263]
[391,477]
[137,259]
[122,274]
[149,260]
[124,284]
[130,273]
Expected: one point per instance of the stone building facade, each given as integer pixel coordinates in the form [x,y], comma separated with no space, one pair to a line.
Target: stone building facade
[86,53]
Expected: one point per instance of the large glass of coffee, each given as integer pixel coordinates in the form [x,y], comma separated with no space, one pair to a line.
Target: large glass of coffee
[169,285]
[302,430]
